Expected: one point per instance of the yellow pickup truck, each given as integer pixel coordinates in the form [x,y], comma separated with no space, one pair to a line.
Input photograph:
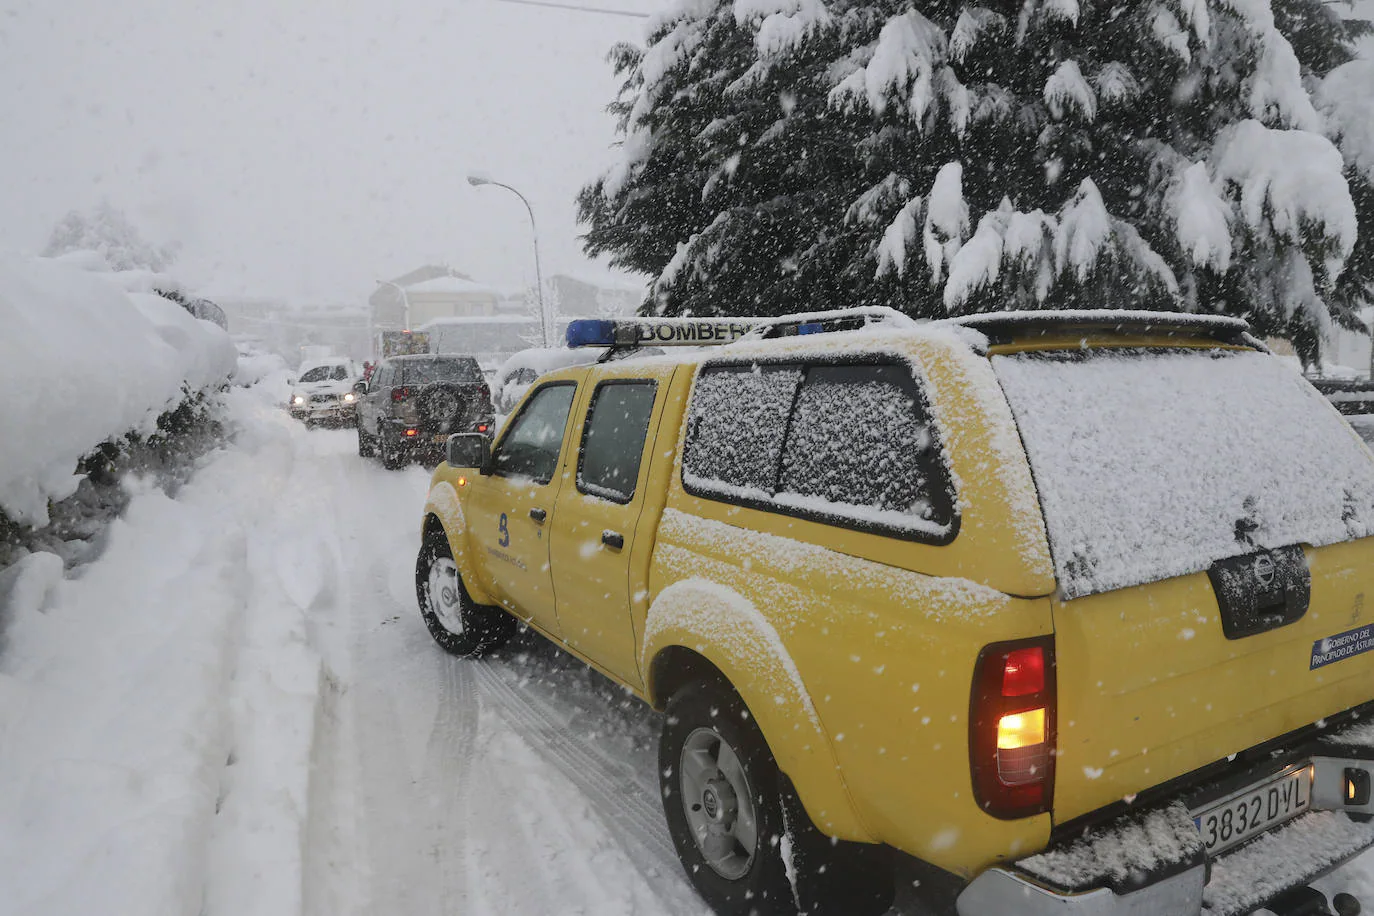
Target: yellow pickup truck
[1061,613]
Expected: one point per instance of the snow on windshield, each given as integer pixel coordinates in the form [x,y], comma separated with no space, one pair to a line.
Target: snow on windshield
[325,373]
[1151,464]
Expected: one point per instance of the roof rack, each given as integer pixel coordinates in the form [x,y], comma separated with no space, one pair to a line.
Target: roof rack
[828,322]
[1004,327]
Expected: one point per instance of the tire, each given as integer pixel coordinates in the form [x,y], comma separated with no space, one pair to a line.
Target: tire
[833,878]
[393,459]
[458,624]
[367,445]
[729,793]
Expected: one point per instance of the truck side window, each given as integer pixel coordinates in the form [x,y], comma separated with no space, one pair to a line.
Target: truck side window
[844,443]
[860,445]
[530,448]
[736,425]
[613,439]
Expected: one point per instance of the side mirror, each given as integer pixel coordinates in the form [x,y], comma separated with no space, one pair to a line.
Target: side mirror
[360,386]
[291,381]
[468,450]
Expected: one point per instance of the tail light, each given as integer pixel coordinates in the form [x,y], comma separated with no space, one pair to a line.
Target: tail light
[400,394]
[1011,728]
[484,393]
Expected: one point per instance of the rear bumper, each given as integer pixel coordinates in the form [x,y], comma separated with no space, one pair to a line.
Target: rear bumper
[1153,862]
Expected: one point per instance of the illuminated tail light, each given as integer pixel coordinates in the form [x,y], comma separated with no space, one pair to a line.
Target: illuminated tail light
[412,432]
[400,394]
[482,427]
[1011,728]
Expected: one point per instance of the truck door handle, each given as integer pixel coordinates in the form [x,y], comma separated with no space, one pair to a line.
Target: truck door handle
[613,539]
[538,515]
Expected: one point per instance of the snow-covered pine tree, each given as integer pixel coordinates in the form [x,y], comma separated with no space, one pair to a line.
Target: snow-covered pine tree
[947,157]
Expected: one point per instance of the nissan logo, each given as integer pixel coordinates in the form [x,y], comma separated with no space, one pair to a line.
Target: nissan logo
[1264,569]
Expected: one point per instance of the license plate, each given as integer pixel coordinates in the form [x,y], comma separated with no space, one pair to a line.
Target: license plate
[1252,811]
[440,440]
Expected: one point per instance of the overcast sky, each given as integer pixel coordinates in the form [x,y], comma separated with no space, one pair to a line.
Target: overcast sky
[305,148]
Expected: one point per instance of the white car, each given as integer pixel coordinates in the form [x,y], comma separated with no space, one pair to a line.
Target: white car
[324,392]
[518,373]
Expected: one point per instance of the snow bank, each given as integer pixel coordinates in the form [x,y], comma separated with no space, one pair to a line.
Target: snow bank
[81,362]
[157,714]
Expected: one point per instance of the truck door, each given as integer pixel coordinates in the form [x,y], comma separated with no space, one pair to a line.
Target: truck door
[513,505]
[603,536]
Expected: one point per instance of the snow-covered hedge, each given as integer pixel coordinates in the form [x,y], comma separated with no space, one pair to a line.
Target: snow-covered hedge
[82,361]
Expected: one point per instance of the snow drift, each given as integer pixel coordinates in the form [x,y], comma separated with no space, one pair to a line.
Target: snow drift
[81,362]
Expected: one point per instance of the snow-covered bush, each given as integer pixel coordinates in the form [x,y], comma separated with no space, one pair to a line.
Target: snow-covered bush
[106,231]
[82,362]
[945,157]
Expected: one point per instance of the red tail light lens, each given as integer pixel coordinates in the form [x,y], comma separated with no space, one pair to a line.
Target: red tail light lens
[1023,672]
[1011,728]
[400,394]
[484,393]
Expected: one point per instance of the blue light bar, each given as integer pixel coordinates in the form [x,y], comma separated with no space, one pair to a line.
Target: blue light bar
[591,332]
[658,332]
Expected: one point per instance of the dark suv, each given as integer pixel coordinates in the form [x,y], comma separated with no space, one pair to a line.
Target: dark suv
[413,403]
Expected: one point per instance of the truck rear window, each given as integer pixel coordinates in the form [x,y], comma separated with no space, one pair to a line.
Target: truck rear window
[1156,463]
[427,372]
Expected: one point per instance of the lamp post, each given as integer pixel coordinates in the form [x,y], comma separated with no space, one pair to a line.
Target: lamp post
[478,181]
[405,297]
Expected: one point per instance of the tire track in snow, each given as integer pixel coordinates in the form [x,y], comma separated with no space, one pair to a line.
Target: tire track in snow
[618,794]
[448,776]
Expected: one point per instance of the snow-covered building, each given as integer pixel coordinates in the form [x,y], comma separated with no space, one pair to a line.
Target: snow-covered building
[434,292]
[586,294]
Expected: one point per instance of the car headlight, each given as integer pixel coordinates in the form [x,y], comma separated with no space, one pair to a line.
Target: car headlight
[298,399]
[348,398]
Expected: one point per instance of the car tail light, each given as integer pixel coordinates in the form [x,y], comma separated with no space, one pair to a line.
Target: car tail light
[482,427]
[412,432]
[400,394]
[1011,728]
[484,393]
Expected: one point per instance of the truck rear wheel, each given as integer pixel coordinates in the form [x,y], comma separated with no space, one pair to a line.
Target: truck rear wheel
[745,840]
[458,624]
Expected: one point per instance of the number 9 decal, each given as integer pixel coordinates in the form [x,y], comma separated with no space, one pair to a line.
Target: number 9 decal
[505,531]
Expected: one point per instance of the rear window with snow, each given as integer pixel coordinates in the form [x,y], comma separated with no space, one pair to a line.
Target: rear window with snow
[1157,463]
[463,371]
[850,444]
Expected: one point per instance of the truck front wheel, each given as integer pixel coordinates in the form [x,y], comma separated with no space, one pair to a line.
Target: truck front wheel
[458,624]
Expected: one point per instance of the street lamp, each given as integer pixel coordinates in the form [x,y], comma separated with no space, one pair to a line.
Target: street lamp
[477,181]
[405,297]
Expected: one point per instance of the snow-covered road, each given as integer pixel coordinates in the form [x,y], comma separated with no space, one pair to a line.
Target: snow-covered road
[237,710]
[520,784]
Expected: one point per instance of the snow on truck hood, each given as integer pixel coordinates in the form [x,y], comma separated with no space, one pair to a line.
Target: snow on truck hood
[1145,461]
